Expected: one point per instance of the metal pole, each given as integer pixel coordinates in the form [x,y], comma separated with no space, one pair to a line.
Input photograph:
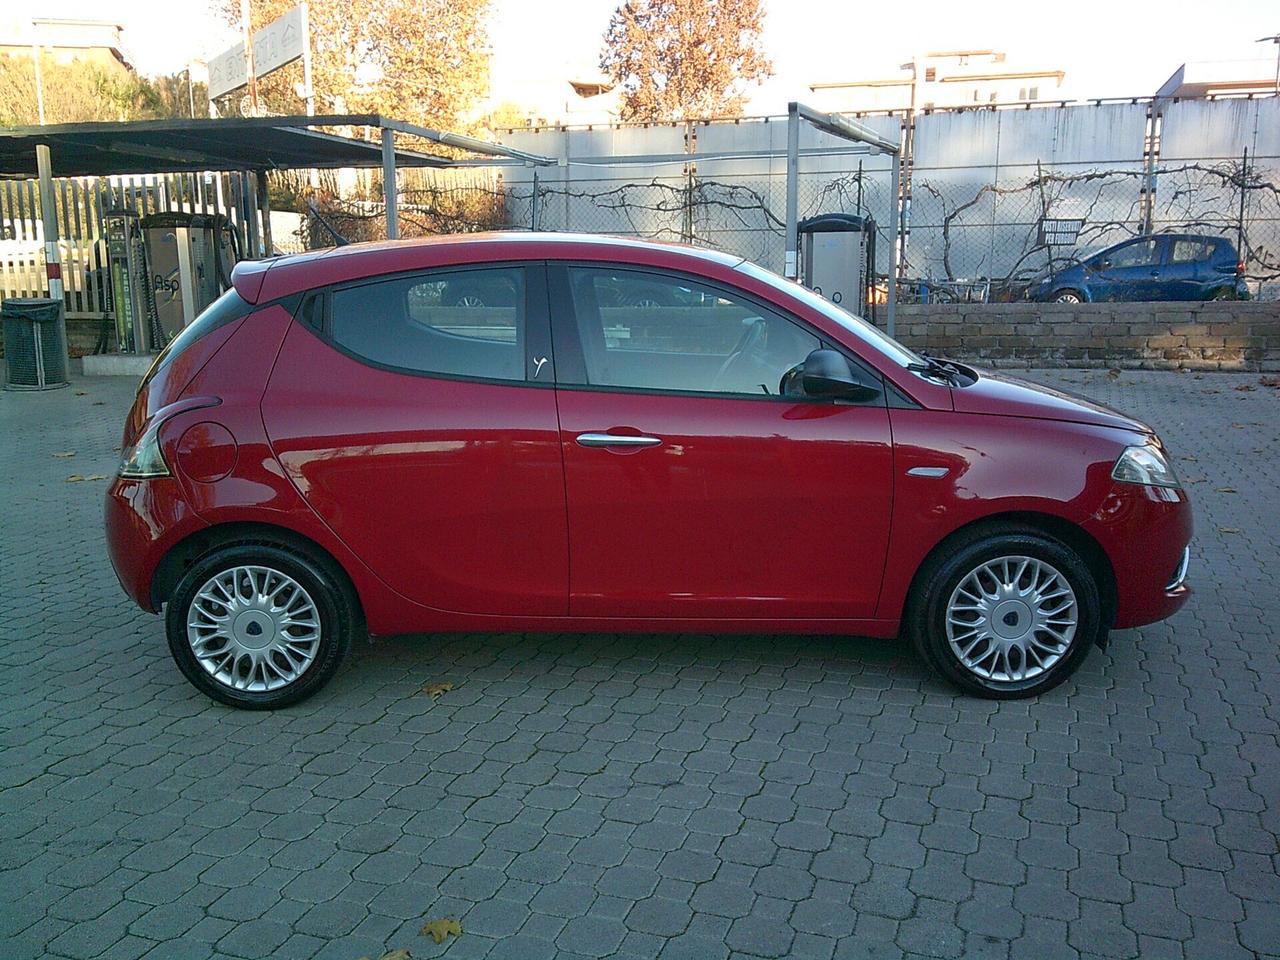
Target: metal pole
[389,182]
[250,68]
[534,218]
[791,268]
[1244,179]
[313,176]
[191,92]
[264,211]
[49,220]
[891,305]
[35,59]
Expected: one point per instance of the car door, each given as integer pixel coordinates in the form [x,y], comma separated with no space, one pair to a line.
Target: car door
[1185,269]
[416,414]
[698,486]
[1130,272]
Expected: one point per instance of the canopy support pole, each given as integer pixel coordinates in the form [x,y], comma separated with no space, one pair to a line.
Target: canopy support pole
[389,182]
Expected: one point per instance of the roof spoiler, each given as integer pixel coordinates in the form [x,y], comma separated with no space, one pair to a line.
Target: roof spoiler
[247,277]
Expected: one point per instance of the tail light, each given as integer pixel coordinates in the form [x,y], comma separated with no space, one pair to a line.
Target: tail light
[1239,268]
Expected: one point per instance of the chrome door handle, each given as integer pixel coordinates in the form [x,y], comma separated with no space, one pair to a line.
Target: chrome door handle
[615,440]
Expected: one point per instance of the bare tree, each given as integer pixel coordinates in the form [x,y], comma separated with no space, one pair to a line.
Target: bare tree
[682,59]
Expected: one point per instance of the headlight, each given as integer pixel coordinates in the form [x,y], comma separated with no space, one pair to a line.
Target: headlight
[144,458]
[1146,465]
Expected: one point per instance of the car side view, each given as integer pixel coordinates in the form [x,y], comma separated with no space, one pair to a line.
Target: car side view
[542,432]
[1170,266]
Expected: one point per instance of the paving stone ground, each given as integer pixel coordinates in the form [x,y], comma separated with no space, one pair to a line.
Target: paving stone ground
[642,796]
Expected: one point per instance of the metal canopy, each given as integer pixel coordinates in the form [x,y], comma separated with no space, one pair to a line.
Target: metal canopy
[259,143]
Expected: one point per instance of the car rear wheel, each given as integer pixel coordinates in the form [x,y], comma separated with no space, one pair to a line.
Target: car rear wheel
[1067,296]
[1005,615]
[1223,293]
[259,626]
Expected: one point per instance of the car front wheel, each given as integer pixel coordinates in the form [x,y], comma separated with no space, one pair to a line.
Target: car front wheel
[1067,296]
[259,626]
[1007,615]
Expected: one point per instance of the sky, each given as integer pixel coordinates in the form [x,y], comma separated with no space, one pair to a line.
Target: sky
[1106,49]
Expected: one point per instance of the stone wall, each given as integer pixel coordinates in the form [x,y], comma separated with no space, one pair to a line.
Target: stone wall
[1223,335]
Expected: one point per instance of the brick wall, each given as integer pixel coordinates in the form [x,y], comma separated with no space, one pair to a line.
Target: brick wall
[1194,336]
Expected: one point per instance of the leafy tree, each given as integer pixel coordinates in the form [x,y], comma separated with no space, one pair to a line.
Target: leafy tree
[80,92]
[681,59]
[423,61]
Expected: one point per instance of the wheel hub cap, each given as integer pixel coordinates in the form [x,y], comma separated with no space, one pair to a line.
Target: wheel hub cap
[1011,619]
[253,628]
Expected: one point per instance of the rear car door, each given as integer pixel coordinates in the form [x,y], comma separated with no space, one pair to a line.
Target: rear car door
[700,482]
[1186,269]
[416,414]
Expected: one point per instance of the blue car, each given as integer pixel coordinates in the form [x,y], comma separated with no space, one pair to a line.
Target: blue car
[1170,266]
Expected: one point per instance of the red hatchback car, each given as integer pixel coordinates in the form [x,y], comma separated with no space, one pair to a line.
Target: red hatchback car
[549,432]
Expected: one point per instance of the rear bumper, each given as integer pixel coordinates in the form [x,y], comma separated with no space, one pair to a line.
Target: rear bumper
[143,520]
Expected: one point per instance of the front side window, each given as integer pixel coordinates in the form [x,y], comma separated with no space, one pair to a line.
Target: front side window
[656,332]
[1140,254]
[464,323]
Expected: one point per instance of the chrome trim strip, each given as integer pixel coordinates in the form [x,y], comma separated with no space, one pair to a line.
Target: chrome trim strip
[615,440]
[933,473]
[1180,575]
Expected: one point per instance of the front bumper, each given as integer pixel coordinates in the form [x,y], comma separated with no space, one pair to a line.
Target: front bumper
[1146,533]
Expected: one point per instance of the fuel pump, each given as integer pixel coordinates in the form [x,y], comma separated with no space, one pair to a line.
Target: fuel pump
[131,302]
[189,258]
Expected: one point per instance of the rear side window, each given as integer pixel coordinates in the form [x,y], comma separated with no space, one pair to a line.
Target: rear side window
[461,323]
[1191,251]
[226,309]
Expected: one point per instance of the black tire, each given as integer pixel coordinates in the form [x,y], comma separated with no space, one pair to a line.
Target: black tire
[1223,293]
[1058,295]
[925,623]
[335,602]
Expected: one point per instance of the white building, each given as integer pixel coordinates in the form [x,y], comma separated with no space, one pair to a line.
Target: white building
[955,78]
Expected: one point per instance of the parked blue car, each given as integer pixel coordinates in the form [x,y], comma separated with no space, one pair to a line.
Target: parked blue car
[1170,266]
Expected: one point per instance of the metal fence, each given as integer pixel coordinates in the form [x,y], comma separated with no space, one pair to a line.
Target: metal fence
[991,196]
[81,203]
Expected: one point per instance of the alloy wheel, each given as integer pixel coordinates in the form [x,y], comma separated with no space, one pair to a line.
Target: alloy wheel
[1011,619]
[253,628]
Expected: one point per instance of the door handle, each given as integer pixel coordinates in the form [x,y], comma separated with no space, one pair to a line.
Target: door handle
[615,440]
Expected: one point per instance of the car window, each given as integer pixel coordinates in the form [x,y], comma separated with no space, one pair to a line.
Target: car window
[656,332]
[1140,254]
[1190,251]
[467,323]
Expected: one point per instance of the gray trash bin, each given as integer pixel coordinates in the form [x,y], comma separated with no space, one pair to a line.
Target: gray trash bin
[35,344]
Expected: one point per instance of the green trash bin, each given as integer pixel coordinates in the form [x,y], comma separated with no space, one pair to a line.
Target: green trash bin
[35,344]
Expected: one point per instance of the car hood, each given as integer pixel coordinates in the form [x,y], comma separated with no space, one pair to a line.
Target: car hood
[1000,395]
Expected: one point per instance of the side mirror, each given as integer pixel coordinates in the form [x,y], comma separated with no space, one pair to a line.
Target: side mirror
[828,375]
[1100,266]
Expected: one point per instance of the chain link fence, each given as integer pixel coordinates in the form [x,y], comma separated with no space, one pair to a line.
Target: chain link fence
[991,197]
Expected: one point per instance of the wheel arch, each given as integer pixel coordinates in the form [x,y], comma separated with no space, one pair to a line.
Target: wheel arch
[187,551]
[1060,529]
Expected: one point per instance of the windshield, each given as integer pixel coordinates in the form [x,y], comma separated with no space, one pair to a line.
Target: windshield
[868,334]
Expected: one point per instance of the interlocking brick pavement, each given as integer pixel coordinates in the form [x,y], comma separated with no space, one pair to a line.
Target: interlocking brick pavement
[638,796]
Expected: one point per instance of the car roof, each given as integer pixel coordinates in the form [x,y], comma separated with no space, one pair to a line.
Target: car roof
[262,280]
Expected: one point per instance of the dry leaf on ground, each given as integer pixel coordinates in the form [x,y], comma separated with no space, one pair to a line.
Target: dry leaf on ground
[434,691]
[1225,490]
[75,478]
[437,930]
[1245,386]
[1228,529]
[65,454]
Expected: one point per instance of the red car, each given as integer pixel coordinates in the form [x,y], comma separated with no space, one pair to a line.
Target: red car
[547,432]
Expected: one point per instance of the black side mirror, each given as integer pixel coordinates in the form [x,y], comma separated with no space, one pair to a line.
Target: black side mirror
[828,375]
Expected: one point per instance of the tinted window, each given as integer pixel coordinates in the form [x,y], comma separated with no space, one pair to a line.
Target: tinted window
[1140,254]
[467,323]
[227,308]
[656,332]
[1190,251]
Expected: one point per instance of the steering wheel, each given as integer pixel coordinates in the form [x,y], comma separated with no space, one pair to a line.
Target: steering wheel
[751,338]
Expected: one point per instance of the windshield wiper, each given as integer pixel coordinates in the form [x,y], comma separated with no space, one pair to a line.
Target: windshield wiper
[942,369]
